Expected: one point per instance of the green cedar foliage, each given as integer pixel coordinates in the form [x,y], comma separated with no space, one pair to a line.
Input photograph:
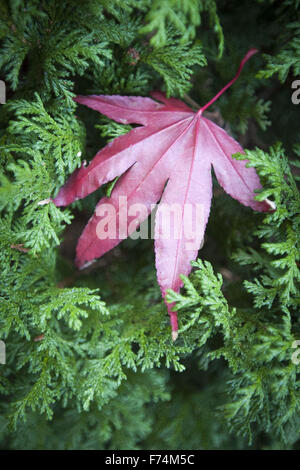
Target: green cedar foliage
[89,359]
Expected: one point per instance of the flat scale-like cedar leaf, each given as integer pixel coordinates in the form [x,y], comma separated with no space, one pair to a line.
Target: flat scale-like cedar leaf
[167,159]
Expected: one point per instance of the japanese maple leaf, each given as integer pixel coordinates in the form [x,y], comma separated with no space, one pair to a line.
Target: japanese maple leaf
[167,159]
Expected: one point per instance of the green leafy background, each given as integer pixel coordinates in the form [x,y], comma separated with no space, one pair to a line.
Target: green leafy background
[90,361]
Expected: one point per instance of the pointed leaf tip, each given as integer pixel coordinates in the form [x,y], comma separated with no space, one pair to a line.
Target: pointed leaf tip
[174,335]
[271,204]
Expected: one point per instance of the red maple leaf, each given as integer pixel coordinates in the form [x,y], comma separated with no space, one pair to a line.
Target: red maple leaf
[167,159]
